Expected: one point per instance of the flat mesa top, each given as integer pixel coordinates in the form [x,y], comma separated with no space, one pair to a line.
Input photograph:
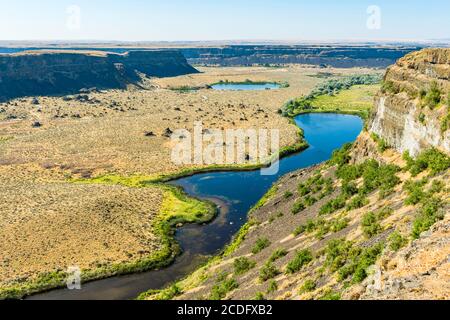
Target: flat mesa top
[93,53]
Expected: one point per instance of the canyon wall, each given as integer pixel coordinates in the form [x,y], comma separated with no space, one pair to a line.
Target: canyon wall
[63,72]
[339,56]
[412,111]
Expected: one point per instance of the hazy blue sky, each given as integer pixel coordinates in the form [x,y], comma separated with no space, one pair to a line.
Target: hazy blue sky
[173,20]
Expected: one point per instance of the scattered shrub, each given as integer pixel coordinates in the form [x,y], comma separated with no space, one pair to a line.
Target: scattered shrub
[382,143]
[303,190]
[437,186]
[375,176]
[422,118]
[358,202]
[308,286]
[301,259]
[298,207]
[328,188]
[278,254]
[415,192]
[170,293]
[288,194]
[370,225]
[337,252]
[368,258]
[221,289]
[322,228]
[445,122]
[342,156]
[433,96]
[397,241]
[353,262]
[385,191]
[243,265]
[276,216]
[431,159]
[339,224]
[260,245]
[268,271]
[379,176]
[384,213]
[309,227]
[273,287]
[330,296]
[333,205]
[428,215]
[389,87]
[299,230]
[309,201]
[349,189]
[259,297]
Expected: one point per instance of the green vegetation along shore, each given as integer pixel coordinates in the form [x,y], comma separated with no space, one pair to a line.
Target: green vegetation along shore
[350,95]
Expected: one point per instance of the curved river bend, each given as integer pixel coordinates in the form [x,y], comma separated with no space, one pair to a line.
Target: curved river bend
[235,192]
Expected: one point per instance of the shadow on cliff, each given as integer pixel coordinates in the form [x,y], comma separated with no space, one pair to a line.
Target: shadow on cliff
[60,73]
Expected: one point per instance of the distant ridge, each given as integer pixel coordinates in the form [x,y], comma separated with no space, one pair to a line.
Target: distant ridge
[57,72]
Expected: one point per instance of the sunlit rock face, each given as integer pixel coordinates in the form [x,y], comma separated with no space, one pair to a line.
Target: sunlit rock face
[403,115]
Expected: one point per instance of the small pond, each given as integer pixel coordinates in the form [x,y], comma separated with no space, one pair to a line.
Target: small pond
[250,86]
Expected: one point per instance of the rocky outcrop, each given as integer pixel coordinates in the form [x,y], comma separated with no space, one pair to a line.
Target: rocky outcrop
[412,110]
[62,72]
[417,272]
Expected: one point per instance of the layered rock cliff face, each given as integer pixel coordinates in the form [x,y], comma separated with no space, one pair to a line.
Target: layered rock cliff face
[412,111]
[56,72]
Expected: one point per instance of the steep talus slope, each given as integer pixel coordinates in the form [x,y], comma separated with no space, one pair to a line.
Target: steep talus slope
[410,116]
[60,72]
[419,271]
[369,224]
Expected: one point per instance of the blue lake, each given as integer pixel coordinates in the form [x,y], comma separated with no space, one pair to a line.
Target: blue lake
[229,86]
[235,193]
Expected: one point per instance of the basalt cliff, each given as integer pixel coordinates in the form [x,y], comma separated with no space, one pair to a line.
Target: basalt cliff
[410,111]
[64,72]
[372,223]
